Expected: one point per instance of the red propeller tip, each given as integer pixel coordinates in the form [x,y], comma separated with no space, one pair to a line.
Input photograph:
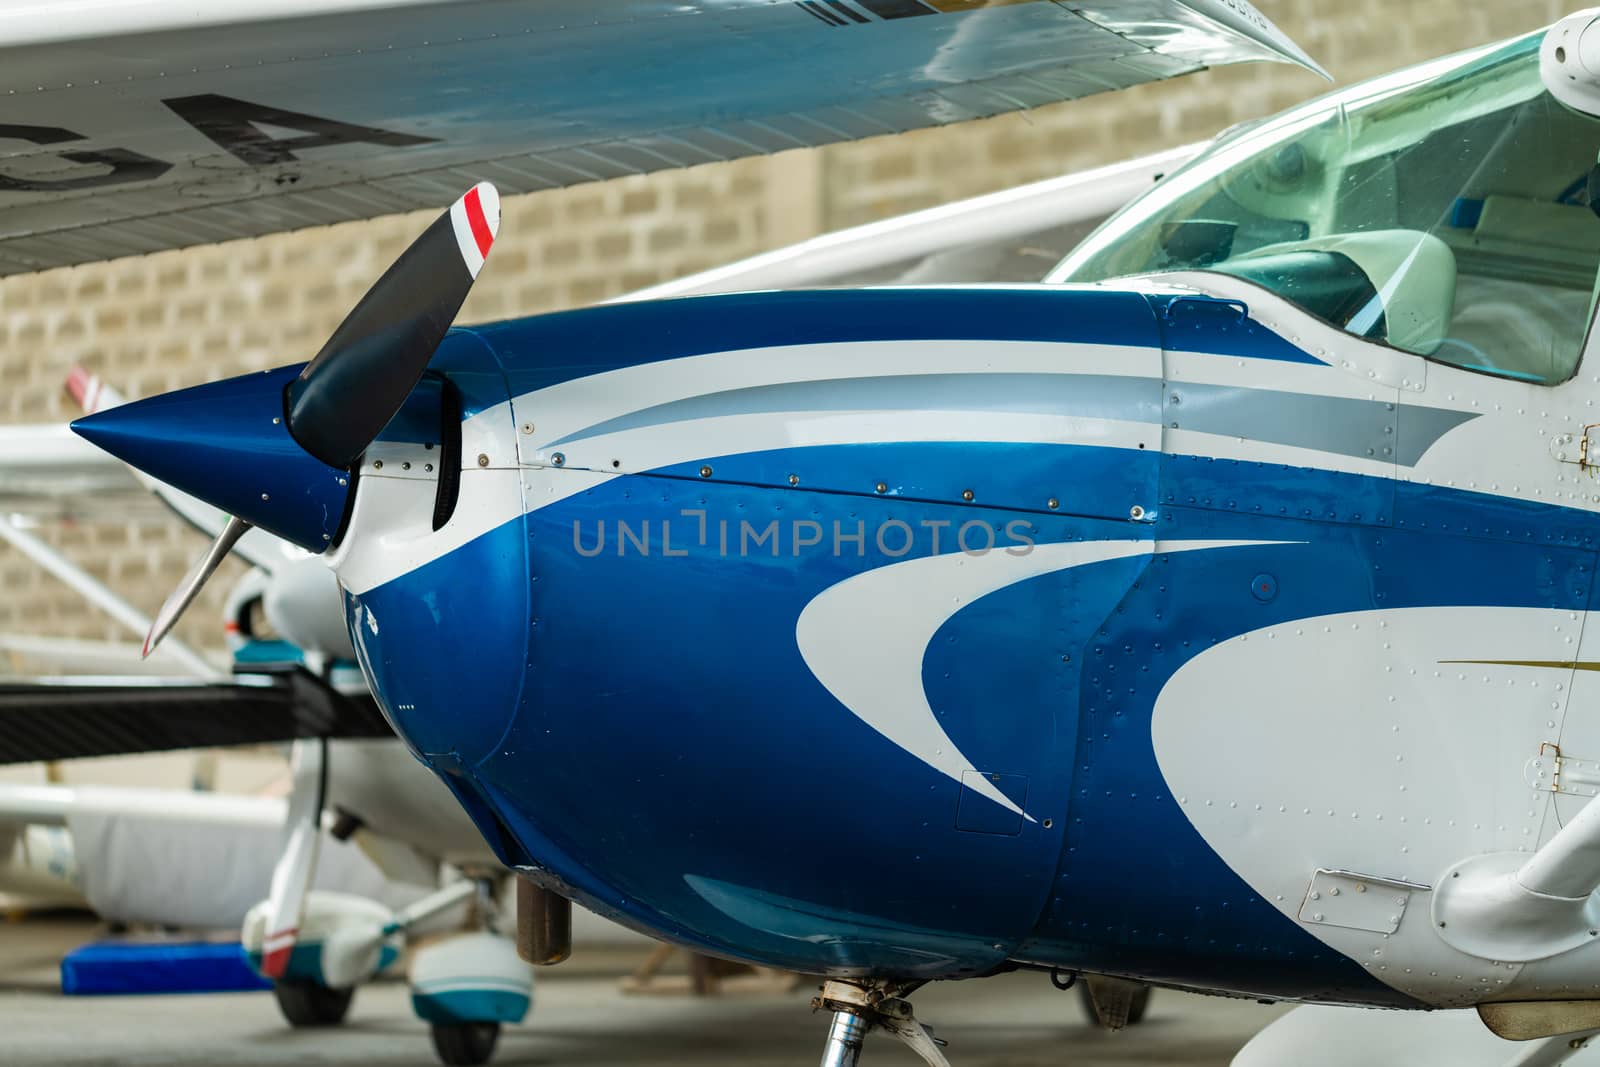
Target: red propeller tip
[476,220]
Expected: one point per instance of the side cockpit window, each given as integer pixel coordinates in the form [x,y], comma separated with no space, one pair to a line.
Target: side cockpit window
[1445,211]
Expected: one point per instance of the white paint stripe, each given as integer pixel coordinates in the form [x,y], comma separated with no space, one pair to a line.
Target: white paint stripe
[470,985]
[570,407]
[282,939]
[866,637]
[391,530]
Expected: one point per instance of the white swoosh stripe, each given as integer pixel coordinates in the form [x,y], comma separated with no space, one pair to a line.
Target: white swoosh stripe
[866,637]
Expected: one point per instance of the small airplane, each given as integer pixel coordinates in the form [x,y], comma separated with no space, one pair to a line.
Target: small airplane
[1213,617]
[112,147]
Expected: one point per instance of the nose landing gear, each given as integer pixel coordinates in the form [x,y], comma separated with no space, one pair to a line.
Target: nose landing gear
[860,1006]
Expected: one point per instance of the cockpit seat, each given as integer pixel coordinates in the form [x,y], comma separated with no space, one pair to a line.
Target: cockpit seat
[1402,288]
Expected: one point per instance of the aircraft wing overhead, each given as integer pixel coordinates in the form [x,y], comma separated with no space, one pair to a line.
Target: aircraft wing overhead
[70,718]
[132,126]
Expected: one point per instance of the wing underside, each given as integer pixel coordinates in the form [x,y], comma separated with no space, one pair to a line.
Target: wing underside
[133,127]
[78,717]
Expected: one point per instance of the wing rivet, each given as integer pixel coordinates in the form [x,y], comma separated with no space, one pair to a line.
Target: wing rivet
[794,479]
[276,421]
[527,427]
[705,472]
[1052,503]
[406,465]
[559,459]
[483,459]
[967,495]
[1136,513]
[264,496]
[881,487]
[377,464]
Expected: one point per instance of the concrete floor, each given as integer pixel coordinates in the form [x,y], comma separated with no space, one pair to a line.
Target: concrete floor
[580,1017]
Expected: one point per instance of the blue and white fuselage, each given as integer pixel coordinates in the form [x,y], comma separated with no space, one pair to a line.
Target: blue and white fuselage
[1046,614]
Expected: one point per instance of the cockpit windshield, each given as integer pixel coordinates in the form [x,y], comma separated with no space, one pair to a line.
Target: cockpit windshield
[1445,210]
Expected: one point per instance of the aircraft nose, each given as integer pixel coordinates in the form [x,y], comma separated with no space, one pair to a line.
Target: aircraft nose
[227,443]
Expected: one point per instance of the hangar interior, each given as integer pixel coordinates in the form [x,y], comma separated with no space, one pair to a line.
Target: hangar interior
[144,325]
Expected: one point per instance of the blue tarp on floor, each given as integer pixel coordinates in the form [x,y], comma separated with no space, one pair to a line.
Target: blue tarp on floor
[113,967]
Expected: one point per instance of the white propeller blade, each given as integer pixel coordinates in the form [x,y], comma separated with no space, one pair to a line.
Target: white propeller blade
[192,582]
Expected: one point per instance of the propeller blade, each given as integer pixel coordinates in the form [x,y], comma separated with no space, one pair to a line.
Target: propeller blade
[291,878]
[358,381]
[192,583]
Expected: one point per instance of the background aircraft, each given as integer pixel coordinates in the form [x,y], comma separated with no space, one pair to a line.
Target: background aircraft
[1240,471]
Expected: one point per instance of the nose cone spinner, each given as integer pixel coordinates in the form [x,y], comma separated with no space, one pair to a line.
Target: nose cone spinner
[228,443]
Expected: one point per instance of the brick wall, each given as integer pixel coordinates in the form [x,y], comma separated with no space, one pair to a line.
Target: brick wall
[174,319]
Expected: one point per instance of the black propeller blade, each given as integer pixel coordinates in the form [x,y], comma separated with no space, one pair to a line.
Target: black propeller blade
[352,388]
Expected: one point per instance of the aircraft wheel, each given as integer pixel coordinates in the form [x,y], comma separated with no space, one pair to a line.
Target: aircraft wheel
[465,1044]
[310,1004]
[1136,1010]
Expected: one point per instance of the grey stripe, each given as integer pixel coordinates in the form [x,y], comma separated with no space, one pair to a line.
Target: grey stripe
[1360,428]
[1364,429]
